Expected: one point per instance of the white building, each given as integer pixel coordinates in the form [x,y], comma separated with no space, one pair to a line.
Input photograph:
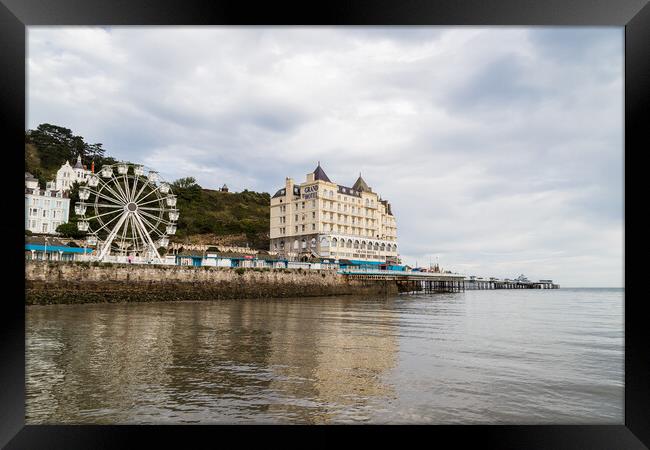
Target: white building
[45,209]
[67,175]
[320,218]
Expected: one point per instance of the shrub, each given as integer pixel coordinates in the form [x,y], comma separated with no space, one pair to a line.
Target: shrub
[240,270]
[69,229]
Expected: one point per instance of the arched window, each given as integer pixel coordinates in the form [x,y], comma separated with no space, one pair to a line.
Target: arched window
[281,245]
[349,243]
[356,244]
[376,246]
[334,242]
[324,242]
[313,242]
[295,244]
[304,243]
[383,247]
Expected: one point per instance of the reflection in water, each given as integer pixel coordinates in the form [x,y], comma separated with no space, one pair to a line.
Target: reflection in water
[278,360]
[478,357]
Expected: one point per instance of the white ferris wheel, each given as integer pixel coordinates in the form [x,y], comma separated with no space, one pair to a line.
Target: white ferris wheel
[127,213]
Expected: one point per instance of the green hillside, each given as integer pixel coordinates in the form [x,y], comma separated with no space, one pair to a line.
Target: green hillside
[243,216]
[206,211]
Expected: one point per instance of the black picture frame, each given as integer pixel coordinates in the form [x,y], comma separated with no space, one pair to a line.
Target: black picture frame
[15,15]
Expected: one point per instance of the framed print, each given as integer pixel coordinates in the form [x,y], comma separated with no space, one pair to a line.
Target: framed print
[387,214]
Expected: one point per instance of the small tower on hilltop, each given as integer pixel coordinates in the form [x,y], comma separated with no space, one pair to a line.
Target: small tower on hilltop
[224,188]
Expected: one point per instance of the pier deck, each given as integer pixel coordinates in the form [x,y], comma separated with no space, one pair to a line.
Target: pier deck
[442,282]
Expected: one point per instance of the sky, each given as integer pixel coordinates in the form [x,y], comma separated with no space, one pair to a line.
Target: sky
[499,148]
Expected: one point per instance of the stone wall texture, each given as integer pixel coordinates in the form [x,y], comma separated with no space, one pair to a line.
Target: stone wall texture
[52,283]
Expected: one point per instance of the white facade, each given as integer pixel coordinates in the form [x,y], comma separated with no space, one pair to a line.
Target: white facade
[323,219]
[45,209]
[67,175]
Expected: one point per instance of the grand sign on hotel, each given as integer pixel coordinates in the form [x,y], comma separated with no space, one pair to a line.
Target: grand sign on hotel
[310,191]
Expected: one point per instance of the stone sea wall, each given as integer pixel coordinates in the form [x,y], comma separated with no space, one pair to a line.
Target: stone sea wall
[52,283]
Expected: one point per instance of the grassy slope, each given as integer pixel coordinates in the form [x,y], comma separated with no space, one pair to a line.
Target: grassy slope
[225,213]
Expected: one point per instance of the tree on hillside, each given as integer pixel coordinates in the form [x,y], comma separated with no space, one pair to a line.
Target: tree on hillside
[187,189]
[185,183]
[95,152]
[54,145]
[69,229]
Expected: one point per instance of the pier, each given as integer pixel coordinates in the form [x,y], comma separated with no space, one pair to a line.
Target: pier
[428,282]
[425,282]
[477,283]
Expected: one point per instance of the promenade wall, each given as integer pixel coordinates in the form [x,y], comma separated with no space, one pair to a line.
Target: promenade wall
[83,282]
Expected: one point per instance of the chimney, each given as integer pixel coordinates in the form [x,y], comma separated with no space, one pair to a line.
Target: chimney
[289,187]
[92,166]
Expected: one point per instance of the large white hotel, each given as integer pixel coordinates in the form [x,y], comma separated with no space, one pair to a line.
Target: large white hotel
[319,218]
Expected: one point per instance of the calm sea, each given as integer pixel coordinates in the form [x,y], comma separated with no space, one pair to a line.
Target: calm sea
[490,357]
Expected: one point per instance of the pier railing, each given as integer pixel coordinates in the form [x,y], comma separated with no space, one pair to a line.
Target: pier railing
[401,273]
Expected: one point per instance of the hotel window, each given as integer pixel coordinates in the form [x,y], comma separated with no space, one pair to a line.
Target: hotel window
[303,205]
[296,218]
[44,213]
[296,228]
[303,228]
[303,218]
[313,226]
[44,228]
[313,215]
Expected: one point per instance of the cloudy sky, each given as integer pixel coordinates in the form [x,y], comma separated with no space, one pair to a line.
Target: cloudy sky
[500,149]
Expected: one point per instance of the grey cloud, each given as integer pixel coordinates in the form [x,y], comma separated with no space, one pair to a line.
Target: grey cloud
[500,84]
